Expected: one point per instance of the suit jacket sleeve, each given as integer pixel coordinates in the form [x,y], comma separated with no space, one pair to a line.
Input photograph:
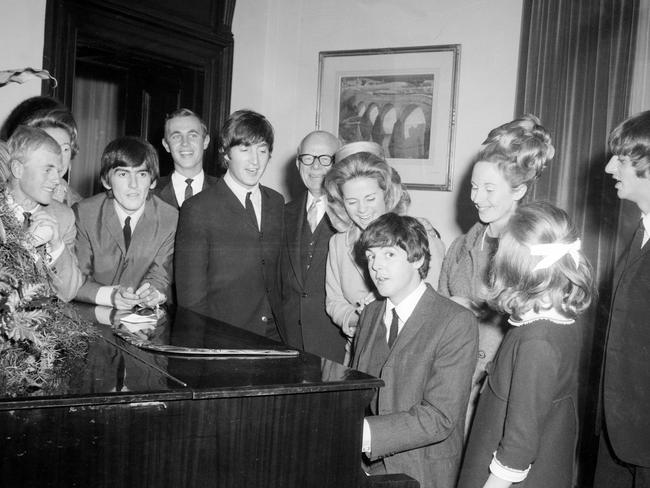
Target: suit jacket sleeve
[67,276]
[191,258]
[89,287]
[342,312]
[435,416]
[160,273]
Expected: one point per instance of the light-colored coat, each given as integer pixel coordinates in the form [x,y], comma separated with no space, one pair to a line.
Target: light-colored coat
[66,277]
[419,415]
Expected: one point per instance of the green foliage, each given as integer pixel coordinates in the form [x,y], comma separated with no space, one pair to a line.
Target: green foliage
[41,338]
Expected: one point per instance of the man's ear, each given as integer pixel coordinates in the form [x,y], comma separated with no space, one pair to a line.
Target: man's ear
[418,264]
[165,145]
[105,184]
[153,184]
[519,192]
[206,141]
[16,168]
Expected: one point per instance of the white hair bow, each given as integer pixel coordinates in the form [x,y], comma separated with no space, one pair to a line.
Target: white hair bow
[553,252]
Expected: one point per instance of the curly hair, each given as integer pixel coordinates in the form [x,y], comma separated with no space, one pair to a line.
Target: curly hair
[517,287]
[631,138]
[520,148]
[363,165]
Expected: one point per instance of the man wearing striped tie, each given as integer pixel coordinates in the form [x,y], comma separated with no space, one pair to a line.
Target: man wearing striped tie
[186,139]
[125,236]
[306,325]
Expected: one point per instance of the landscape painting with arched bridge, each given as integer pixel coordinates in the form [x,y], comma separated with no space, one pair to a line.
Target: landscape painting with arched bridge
[391,110]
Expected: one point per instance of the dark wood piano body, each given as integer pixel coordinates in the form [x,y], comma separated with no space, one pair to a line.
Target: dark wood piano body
[133,418]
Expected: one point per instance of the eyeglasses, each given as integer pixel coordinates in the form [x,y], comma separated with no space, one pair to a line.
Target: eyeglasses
[323,159]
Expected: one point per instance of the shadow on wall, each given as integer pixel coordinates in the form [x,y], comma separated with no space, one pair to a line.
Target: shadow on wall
[466,214]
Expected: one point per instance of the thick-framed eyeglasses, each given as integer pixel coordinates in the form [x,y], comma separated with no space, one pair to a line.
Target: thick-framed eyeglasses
[323,159]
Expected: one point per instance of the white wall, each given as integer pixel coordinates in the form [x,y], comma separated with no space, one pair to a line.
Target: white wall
[22,26]
[276,70]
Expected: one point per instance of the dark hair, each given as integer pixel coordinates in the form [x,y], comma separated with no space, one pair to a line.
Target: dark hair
[25,140]
[185,112]
[24,110]
[245,127]
[402,231]
[517,287]
[631,138]
[129,152]
[520,148]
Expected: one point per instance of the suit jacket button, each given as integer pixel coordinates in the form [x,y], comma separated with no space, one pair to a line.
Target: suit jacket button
[263,262]
[265,318]
[303,295]
[481,354]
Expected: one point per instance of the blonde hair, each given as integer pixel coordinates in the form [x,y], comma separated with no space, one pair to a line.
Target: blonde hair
[363,165]
[517,287]
[521,149]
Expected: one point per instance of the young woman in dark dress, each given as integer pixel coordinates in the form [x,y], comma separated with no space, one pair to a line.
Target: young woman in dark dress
[525,428]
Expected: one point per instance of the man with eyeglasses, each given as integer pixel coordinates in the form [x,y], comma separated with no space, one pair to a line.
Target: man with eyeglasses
[304,254]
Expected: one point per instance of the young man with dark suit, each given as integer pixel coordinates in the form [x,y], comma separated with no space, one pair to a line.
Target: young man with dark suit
[424,347]
[229,235]
[306,325]
[186,139]
[624,451]
[125,236]
[33,166]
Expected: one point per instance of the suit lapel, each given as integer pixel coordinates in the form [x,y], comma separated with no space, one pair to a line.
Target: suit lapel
[415,322]
[293,240]
[167,192]
[145,228]
[112,224]
[232,203]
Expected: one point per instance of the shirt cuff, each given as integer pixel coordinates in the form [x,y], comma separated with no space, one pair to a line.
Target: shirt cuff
[103,315]
[366,443]
[104,295]
[509,474]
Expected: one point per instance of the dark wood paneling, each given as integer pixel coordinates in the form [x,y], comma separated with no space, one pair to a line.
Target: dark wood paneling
[193,36]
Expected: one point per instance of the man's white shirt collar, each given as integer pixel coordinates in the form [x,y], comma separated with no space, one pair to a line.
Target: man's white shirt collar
[122,215]
[241,191]
[179,185]
[404,309]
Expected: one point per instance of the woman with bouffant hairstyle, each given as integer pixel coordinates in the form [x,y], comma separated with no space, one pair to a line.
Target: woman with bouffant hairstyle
[512,157]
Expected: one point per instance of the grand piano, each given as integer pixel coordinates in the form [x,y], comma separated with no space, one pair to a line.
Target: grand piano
[137,417]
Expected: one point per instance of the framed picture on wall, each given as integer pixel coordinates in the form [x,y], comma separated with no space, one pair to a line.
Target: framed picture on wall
[402,98]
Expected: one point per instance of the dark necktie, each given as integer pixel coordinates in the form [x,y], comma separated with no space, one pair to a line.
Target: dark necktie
[127,233]
[28,220]
[188,189]
[392,334]
[250,210]
[637,240]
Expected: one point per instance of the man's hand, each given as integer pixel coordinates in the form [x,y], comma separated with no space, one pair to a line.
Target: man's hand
[125,298]
[149,296]
[45,229]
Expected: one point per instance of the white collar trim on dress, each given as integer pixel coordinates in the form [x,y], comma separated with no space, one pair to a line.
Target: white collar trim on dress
[550,314]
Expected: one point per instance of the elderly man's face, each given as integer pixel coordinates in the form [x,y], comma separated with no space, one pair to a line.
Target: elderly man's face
[312,176]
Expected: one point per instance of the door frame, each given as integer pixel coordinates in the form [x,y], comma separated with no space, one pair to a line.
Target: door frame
[156,33]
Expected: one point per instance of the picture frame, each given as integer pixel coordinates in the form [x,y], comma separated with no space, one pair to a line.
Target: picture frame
[402,98]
